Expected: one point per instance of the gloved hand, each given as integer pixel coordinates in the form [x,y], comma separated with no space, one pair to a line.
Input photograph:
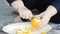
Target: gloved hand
[46,15]
[25,13]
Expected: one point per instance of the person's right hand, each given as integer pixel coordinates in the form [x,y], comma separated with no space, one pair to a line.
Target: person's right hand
[25,13]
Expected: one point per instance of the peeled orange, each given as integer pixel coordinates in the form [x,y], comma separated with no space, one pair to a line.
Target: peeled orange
[35,21]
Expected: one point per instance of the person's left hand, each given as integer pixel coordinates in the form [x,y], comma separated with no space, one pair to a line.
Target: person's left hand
[45,19]
[46,15]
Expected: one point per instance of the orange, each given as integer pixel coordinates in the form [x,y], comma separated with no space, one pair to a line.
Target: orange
[35,21]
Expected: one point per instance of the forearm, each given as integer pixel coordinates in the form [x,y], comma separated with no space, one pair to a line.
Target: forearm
[18,5]
[51,10]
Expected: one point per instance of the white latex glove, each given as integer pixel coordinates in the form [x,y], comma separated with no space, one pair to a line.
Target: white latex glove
[25,13]
[22,10]
[46,15]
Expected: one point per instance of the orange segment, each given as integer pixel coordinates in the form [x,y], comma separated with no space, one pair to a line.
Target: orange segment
[27,29]
[24,31]
[43,33]
[19,31]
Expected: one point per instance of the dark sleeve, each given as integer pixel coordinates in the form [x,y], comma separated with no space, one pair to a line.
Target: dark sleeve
[56,4]
[10,1]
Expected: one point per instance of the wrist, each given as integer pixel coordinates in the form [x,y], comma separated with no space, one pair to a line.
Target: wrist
[51,10]
[23,9]
[17,4]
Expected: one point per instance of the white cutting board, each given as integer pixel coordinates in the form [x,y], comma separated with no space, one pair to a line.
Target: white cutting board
[12,28]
